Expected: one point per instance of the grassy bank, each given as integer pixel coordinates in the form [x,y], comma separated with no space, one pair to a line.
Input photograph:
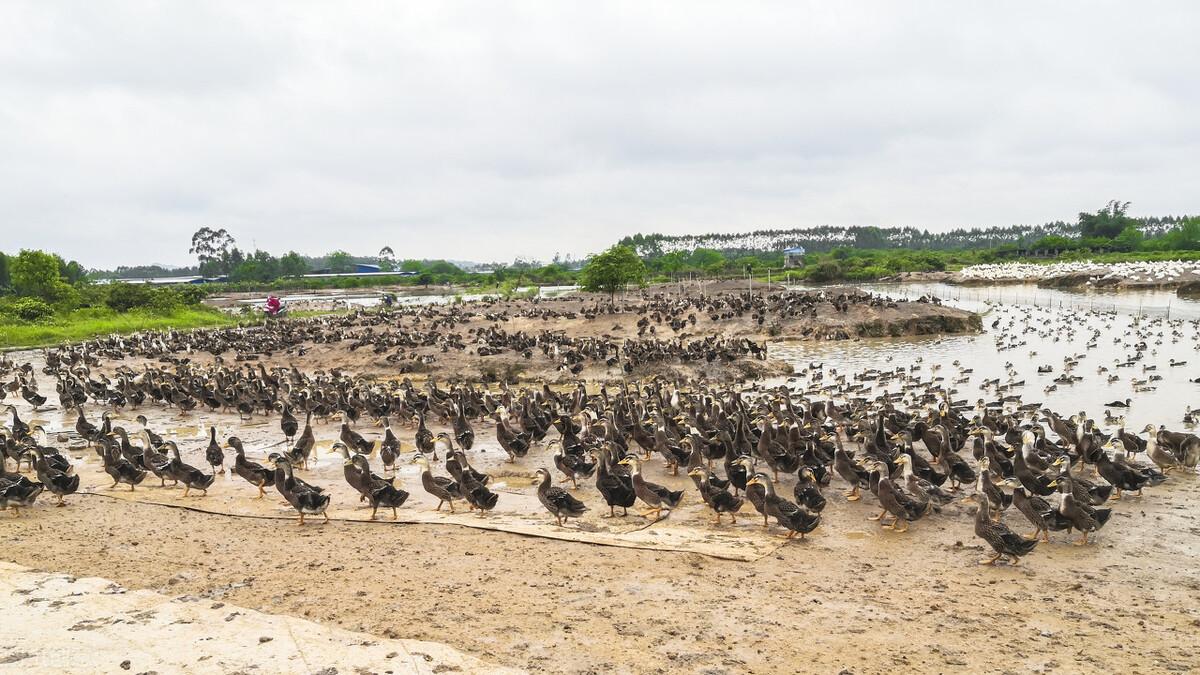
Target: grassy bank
[82,324]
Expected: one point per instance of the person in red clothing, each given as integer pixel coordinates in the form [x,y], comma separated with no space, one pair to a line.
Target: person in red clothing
[273,306]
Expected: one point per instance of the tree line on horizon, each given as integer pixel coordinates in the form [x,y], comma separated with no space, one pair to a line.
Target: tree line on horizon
[218,256]
[826,238]
[874,253]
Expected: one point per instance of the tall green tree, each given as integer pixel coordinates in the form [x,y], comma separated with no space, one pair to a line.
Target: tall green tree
[292,265]
[35,273]
[1183,237]
[339,262]
[387,259]
[215,251]
[612,271]
[870,237]
[5,279]
[441,267]
[1108,222]
[71,271]
[1130,239]
[707,260]
[259,266]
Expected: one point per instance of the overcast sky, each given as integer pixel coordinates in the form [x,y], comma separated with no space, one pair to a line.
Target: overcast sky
[485,131]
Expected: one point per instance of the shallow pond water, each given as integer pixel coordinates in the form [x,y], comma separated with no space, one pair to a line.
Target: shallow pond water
[1144,302]
[1026,328]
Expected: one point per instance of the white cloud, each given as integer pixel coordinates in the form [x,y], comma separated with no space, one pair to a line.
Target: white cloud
[485,131]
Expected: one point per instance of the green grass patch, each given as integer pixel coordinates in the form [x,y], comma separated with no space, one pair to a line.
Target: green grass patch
[82,324]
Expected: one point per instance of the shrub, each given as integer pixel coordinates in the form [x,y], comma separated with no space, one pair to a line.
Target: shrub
[827,270]
[29,309]
[508,289]
[164,300]
[191,294]
[93,295]
[64,296]
[124,297]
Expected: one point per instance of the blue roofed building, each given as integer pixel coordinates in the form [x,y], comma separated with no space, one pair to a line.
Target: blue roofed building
[793,257]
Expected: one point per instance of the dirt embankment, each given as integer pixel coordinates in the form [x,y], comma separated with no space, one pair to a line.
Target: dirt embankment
[673,313]
[923,278]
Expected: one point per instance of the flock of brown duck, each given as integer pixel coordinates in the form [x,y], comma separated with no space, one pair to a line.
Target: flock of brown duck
[668,329]
[914,452]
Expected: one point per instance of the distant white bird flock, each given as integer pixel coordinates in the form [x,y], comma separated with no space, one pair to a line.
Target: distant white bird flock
[1162,271]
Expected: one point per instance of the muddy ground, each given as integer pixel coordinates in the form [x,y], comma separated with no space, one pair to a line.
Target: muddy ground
[859,320]
[851,597]
[848,598]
